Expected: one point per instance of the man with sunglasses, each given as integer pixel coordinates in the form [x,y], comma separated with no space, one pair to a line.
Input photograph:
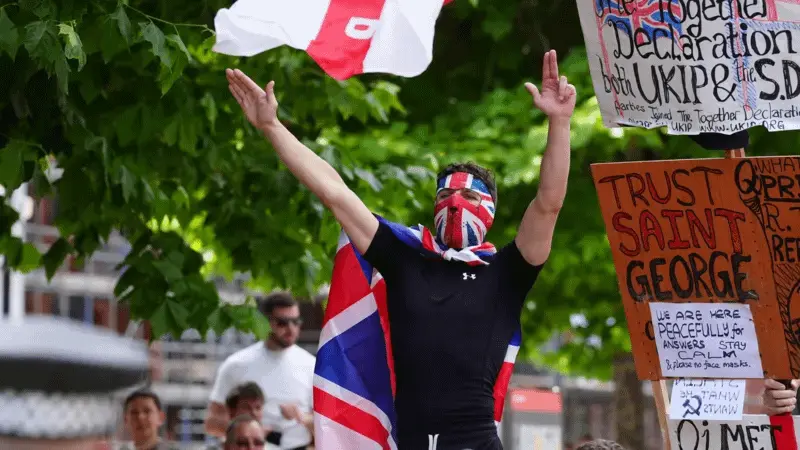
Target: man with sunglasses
[283,370]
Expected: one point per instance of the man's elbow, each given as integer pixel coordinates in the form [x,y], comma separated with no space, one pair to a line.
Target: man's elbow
[549,203]
[335,195]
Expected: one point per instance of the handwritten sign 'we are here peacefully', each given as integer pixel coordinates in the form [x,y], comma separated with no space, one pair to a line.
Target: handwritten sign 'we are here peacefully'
[695,65]
[707,254]
[683,329]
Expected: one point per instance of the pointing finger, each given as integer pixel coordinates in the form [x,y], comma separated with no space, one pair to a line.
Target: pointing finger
[545,66]
[553,64]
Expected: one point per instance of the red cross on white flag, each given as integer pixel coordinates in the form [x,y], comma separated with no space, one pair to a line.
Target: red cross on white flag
[345,37]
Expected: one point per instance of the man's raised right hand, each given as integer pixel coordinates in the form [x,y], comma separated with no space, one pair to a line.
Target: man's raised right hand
[259,105]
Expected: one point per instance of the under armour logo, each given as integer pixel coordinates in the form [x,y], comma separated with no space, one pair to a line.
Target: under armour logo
[468,275]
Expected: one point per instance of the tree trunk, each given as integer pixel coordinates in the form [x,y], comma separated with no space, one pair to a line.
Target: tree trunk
[628,403]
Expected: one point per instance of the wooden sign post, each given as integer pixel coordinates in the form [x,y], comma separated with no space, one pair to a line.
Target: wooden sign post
[707,254]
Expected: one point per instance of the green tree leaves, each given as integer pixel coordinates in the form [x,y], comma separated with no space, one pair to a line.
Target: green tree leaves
[123,23]
[134,106]
[9,35]
[40,8]
[152,34]
[55,256]
[170,50]
[13,167]
[73,48]
[41,42]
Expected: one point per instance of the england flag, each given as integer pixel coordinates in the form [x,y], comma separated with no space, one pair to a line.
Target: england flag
[345,37]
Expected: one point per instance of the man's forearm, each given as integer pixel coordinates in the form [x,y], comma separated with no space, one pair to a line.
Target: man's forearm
[312,171]
[554,170]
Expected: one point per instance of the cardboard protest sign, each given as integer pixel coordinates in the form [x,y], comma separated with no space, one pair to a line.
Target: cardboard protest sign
[695,65]
[750,433]
[724,232]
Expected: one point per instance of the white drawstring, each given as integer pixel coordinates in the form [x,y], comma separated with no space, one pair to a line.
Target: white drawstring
[433,441]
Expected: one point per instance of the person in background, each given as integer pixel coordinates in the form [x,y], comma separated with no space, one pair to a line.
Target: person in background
[283,370]
[143,417]
[600,444]
[57,380]
[244,433]
[248,399]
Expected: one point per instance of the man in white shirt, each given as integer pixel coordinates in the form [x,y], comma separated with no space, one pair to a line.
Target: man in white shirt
[283,371]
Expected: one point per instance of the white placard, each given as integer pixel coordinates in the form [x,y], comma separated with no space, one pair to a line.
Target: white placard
[751,433]
[695,65]
[707,399]
[706,340]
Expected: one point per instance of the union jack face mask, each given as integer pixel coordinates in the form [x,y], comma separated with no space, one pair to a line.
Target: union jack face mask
[459,222]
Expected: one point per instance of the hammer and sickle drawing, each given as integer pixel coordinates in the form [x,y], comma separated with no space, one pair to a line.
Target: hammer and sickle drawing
[688,405]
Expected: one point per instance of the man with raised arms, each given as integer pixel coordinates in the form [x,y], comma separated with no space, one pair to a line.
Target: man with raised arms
[454,307]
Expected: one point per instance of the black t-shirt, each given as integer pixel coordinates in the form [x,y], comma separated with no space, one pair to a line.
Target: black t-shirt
[450,326]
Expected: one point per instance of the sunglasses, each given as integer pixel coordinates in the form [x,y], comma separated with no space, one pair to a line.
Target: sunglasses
[284,321]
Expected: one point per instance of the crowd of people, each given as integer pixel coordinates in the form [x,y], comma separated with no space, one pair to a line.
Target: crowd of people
[144,418]
[58,377]
[261,397]
[262,394]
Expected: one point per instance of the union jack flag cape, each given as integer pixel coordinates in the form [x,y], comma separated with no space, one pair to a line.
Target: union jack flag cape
[354,375]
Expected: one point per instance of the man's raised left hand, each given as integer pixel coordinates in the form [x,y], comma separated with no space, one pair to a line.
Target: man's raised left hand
[557,97]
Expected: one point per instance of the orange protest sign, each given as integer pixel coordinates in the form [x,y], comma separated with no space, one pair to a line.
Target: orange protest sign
[713,245]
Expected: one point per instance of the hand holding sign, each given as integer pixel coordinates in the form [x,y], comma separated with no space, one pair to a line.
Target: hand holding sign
[259,105]
[778,399]
[557,98]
